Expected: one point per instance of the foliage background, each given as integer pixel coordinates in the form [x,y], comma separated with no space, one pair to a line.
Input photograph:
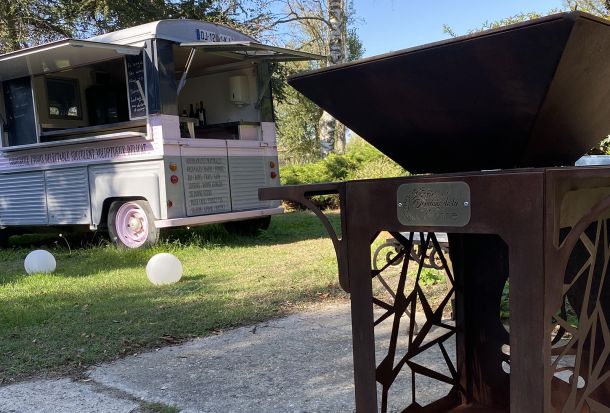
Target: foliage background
[360,161]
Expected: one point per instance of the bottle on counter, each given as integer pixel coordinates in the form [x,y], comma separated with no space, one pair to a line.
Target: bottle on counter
[192,112]
[183,128]
[202,119]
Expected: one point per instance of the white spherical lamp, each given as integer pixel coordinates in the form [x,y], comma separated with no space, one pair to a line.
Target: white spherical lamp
[164,269]
[40,261]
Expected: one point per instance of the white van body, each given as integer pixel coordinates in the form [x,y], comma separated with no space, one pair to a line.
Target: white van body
[174,118]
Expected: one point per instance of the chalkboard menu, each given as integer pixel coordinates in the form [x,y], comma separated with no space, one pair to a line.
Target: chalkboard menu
[20,117]
[206,185]
[136,86]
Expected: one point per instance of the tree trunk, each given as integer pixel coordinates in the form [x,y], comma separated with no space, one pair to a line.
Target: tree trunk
[326,128]
[338,32]
[337,54]
[340,136]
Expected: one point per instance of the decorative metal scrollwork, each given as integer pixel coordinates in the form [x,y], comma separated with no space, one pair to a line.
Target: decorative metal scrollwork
[390,249]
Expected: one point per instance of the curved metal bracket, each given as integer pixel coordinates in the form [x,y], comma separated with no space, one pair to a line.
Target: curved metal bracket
[302,194]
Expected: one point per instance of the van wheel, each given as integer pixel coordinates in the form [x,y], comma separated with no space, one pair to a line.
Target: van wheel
[248,226]
[131,224]
[4,236]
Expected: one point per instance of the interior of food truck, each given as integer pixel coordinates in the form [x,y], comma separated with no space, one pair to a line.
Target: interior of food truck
[89,99]
[218,94]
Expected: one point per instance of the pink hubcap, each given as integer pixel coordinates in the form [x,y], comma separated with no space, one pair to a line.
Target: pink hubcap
[131,225]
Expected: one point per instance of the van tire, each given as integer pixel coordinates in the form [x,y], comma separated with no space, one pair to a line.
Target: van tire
[4,236]
[131,224]
[249,226]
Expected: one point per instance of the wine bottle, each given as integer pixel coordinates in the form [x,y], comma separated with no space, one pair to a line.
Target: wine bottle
[202,119]
[192,112]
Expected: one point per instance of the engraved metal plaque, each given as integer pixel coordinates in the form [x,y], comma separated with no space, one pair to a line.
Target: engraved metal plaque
[445,204]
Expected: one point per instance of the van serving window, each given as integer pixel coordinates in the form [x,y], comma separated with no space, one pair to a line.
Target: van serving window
[52,89]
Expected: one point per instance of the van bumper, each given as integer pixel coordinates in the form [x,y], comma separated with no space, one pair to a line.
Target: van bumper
[216,218]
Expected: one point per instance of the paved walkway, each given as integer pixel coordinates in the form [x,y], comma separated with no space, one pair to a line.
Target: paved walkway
[299,363]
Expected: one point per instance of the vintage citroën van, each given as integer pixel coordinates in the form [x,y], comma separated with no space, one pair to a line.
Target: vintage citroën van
[161,125]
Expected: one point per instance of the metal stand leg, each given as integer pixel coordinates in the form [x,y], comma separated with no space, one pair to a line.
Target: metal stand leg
[362,328]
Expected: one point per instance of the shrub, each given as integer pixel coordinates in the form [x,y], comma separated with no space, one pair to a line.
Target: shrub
[382,167]
[430,277]
[360,161]
[309,173]
[340,167]
[361,151]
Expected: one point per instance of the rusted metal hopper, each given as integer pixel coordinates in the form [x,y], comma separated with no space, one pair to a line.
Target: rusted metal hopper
[532,94]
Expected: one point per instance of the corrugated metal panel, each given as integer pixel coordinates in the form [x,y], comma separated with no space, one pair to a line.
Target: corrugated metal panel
[68,196]
[247,174]
[22,199]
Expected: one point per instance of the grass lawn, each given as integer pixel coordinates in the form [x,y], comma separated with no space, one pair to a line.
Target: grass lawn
[99,305]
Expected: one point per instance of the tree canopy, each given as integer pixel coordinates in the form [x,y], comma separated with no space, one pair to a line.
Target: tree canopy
[25,23]
[28,22]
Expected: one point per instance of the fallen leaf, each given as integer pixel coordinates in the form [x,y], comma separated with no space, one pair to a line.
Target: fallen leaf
[170,339]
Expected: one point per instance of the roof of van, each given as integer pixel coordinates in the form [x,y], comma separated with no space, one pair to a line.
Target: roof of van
[177,30]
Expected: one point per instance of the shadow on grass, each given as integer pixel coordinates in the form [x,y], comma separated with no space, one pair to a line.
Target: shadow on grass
[286,228]
[102,257]
[79,263]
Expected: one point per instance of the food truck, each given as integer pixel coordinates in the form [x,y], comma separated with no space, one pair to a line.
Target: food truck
[161,125]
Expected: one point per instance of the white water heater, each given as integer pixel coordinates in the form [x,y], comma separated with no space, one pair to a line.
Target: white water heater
[239,90]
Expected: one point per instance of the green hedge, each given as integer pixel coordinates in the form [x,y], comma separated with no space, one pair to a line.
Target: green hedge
[360,161]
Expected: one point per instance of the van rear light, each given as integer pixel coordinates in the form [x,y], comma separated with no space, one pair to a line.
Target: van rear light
[173,167]
[273,175]
[174,179]
[271,164]
[170,203]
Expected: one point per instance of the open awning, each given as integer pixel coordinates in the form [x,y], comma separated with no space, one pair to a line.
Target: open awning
[59,55]
[244,50]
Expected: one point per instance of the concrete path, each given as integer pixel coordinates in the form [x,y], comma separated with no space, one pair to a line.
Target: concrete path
[300,363]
